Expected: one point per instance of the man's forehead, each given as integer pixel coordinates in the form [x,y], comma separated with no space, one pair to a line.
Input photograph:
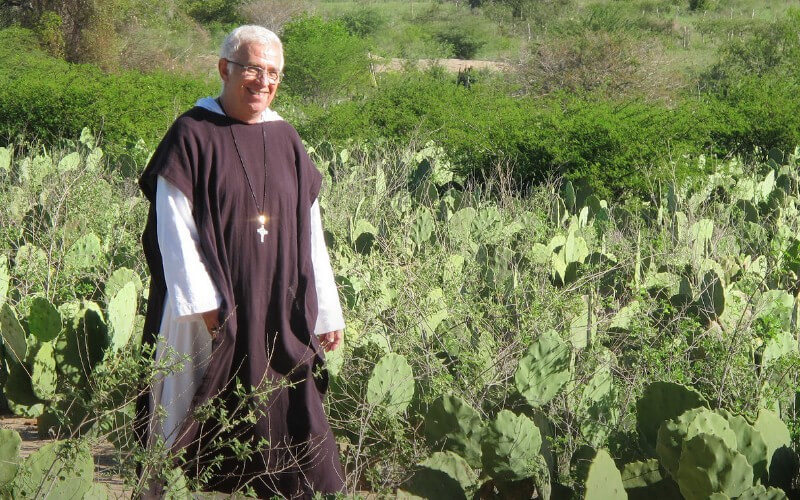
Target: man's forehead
[257,53]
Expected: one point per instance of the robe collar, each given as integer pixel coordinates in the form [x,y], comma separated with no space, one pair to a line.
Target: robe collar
[211,104]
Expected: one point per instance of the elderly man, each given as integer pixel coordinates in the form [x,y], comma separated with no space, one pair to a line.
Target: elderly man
[242,290]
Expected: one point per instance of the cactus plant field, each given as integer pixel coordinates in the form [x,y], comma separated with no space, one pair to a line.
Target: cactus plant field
[500,342]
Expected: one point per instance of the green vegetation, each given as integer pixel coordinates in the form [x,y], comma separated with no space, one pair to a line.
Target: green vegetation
[614,221]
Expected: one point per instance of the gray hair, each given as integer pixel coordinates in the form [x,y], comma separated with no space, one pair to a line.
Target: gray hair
[250,34]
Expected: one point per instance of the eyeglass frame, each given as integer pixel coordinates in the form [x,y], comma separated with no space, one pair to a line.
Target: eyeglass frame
[258,72]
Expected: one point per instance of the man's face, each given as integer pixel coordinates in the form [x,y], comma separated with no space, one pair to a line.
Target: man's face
[248,96]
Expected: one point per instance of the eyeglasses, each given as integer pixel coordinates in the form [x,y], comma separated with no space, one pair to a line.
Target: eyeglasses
[258,72]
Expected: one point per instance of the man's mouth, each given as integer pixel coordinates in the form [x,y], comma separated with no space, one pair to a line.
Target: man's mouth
[256,92]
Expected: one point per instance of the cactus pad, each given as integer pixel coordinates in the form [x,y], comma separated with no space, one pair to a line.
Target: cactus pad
[604,481]
[9,456]
[454,424]
[121,315]
[708,465]
[759,492]
[56,470]
[443,475]
[84,253]
[673,434]
[544,369]
[510,447]
[43,378]
[391,384]
[44,320]
[663,401]
[16,347]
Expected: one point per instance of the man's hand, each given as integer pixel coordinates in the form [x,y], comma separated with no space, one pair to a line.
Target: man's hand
[211,319]
[331,340]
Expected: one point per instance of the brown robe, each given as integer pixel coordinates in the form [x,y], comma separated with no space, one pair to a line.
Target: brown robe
[267,345]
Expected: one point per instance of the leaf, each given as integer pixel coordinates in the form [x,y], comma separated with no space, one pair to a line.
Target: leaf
[544,369]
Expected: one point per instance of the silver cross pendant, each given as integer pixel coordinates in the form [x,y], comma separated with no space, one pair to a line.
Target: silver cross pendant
[263,232]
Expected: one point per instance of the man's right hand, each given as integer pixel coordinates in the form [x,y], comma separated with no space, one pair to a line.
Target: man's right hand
[211,319]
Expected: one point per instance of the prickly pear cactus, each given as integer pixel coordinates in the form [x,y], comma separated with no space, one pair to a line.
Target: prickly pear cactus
[759,492]
[4,278]
[82,345]
[118,279]
[391,385]
[510,447]
[43,378]
[673,434]
[44,321]
[57,470]
[19,392]
[782,463]
[9,456]
[663,401]
[711,300]
[708,466]
[604,481]
[362,236]
[443,475]
[84,253]
[544,369]
[422,228]
[16,348]
[750,443]
[453,424]
[641,474]
[121,315]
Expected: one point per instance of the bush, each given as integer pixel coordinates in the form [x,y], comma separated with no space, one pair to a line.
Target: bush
[49,30]
[211,11]
[362,22]
[323,60]
[464,45]
[47,98]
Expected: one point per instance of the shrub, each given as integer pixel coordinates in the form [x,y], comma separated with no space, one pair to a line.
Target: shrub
[210,11]
[323,60]
[49,31]
[464,45]
[362,22]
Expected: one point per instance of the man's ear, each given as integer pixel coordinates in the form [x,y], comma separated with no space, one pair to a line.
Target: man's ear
[222,65]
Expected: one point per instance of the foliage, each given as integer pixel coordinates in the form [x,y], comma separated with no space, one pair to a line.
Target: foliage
[323,60]
[209,11]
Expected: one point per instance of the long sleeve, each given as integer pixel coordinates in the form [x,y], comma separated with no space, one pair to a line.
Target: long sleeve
[329,317]
[190,289]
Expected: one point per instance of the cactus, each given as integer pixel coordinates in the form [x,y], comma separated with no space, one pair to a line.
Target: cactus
[459,227]
[443,475]
[84,253]
[391,385]
[9,456]
[759,492]
[69,162]
[19,392]
[625,316]
[604,481]
[98,491]
[700,235]
[56,470]
[510,447]
[43,377]
[44,320]
[16,347]
[750,443]
[121,315]
[3,280]
[641,474]
[781,460]
[598,407]
[544,369]
[93,159]
[708,465]
[710,302]
[362,236]
[674,433]
[583,325]
[456,426]
[118,279]
[82,345]
[422,228]
[663,401]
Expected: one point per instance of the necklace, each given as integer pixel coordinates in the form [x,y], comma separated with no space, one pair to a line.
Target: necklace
[262,218]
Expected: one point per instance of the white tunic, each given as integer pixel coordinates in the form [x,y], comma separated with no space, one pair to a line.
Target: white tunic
[190,292]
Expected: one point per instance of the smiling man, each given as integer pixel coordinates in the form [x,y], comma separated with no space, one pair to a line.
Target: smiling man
[242,299]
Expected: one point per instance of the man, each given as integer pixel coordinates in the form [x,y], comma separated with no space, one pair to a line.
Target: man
[240,287]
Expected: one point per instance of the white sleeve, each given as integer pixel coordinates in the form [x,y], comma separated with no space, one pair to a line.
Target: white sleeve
[189,287]
[329,317]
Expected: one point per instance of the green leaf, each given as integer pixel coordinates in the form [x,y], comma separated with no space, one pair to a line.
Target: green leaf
[544,369]
[391,385]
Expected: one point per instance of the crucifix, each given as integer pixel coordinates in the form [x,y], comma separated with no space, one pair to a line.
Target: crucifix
[261,231]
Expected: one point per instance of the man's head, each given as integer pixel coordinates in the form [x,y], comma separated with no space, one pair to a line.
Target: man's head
[250,64]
